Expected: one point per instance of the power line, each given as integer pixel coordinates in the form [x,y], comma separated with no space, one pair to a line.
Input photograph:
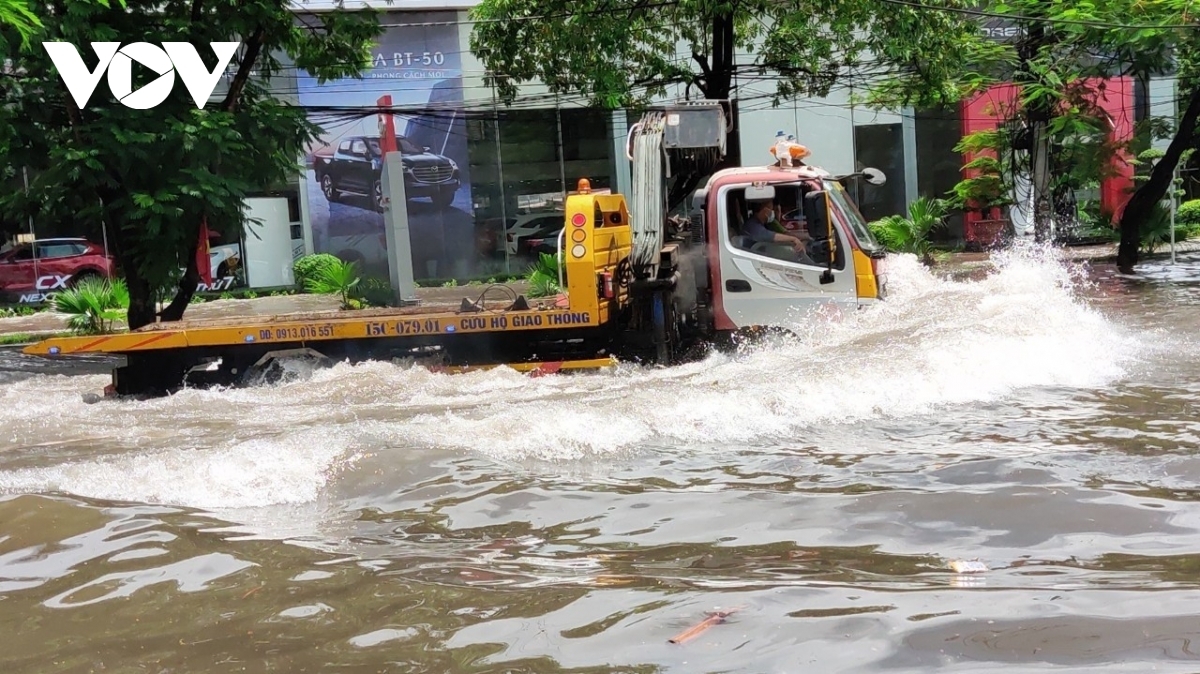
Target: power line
[1040,19]
[532,17]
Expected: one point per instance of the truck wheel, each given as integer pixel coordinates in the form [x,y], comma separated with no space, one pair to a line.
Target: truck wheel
[327,187]
[444,198]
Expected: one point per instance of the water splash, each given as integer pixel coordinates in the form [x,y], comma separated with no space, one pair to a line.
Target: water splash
[291,468]
[933,344]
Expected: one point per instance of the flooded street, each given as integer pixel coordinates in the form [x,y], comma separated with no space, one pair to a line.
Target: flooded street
[1041,419]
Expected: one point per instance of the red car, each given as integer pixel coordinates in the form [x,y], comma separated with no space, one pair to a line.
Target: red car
[57,265]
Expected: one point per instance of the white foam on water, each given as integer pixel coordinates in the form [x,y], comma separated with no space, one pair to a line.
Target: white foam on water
[292,468]
[935,343]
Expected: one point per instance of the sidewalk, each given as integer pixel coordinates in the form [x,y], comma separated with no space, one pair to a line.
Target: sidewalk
[46,323]
[960,263]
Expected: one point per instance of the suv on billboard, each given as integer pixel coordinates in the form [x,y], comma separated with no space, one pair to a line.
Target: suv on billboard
[356,166]
[59,264]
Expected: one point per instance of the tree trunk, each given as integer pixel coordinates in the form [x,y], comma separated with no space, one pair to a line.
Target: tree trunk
[719,83]
[1137,211]
[141,298]
[141,295]
[187,287]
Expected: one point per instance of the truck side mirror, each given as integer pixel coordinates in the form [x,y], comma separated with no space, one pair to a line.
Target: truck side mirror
[816,213]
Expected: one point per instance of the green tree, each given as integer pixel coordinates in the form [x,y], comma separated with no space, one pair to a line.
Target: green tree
[1142,38]
[1140,212]
[15,14]
[151,177]
[1055,133]
[625,53]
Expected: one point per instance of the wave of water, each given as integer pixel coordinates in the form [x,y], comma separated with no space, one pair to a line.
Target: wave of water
[934,344]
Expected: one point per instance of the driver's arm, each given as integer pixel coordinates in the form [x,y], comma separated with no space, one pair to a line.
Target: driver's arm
[757,232]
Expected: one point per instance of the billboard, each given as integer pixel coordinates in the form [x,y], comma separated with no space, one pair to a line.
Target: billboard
[416,75]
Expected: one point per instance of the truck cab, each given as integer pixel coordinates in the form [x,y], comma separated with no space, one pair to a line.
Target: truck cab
[755,281]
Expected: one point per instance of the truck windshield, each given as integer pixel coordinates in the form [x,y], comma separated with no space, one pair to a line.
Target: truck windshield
[853,217]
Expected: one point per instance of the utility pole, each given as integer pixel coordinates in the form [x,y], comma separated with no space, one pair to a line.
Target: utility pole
[1174,181]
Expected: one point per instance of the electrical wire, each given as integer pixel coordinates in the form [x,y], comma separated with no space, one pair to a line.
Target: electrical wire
[1043,19]
[511,19]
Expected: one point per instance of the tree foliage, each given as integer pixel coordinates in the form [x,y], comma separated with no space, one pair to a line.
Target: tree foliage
[15,14]
[151,177]
[625,53]
[1058,50]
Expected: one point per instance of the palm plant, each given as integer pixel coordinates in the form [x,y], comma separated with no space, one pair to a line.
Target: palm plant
[1156,230]
[338,278]
[93,305]
[543,276]
[911,234]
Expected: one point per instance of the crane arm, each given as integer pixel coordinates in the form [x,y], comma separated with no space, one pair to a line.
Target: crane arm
[684,141]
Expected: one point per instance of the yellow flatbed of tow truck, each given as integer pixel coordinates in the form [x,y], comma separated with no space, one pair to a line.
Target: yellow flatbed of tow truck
[323,326]
[541,335]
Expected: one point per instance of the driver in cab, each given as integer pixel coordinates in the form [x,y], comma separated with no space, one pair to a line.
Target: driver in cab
[763,226]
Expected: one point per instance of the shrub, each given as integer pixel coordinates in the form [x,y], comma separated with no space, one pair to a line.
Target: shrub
[339,278]
[93,305]
[1188,215]
[543,276]
[375,291]
[311,266]
[911,234]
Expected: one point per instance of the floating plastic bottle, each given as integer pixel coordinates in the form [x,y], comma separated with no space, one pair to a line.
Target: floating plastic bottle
[968,566]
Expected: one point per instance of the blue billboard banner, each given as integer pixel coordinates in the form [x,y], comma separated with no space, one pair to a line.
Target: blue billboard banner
[410,99]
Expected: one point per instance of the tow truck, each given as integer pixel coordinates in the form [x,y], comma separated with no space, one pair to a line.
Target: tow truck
[657,280]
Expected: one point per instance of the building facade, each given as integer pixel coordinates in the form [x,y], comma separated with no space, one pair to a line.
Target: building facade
[488,180]
[510,167]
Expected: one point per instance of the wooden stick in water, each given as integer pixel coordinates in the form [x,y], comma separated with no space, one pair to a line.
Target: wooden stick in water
[714,618]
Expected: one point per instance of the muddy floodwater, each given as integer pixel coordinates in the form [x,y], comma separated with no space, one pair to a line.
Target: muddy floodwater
[1039,418]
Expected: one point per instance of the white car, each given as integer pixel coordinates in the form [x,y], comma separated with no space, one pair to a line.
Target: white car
[528,224]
